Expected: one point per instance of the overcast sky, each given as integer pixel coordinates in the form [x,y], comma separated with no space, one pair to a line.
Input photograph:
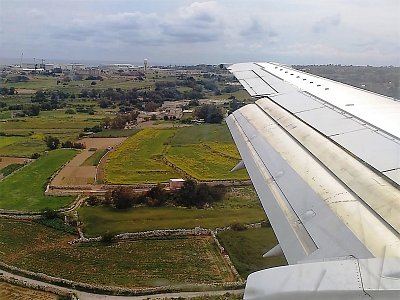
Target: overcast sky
[190,32]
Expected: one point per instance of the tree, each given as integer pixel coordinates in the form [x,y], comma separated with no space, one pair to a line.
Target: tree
[52,142]
[209,113]
[49,214]
[187,194]
[107,238]
[122,198]
[158,196]
[150,106]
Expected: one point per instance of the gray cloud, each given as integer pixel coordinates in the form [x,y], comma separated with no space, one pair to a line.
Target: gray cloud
[325,24]
[190,31]
[258,31]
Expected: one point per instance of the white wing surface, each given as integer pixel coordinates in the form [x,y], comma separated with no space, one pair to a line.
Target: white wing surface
[324,158]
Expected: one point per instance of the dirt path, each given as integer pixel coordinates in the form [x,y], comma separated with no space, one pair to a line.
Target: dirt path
[77,174]
[90,296]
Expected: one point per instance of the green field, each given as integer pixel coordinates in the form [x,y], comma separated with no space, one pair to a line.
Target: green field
[26,134]
[203,164]
[240,205]
[24,190]
[23,146]
[50,83]
[204,133]
[246,248]
[206,152]
[138,160]
[94,159]
[143,263]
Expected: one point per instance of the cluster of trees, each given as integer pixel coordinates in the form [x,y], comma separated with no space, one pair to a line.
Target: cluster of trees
[53,143]
[18,78]
[120,120]
[8,91]
[191,194]
[50,100]
[210,113]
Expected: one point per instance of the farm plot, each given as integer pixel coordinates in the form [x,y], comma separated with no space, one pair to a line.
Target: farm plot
[204,164]
[11,292]
[241,205]
[246,248]
[141,263]
[205,152]
[6,161]
[26,134]
[138,160]
[22,146]
[24,190]
[81,170]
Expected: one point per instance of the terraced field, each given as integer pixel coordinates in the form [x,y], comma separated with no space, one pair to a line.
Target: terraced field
[142,263]
[138,160]
[12,292]
[205,152]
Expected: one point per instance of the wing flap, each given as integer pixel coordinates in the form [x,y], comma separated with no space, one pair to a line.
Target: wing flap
[300,212]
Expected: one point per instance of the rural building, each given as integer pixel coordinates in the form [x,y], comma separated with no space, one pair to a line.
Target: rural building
[176,183]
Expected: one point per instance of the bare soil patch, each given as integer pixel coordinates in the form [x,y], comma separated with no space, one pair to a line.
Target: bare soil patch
[5,161]
[25,91]
[74,173]
[101,143]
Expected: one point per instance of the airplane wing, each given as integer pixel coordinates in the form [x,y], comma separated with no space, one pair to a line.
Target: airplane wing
[324,158]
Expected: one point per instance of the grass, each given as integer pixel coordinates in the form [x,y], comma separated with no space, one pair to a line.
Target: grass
[245,248]
[24,190]
[98,220]
[202,163]
[24,147]
[204,133]
[94,159]
[27,133]
[143,263]
[138,160]
[11,292]
[5,114]
[40,82]
[9,140]
[240,205]
[206,152]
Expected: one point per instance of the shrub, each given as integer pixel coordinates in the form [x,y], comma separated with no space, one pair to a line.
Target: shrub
[93,200]
[70,111]
[73,145]
[49,213]
[238,227]
[107,238]
[35,155]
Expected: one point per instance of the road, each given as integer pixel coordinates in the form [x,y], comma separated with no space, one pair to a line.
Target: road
[90,296]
